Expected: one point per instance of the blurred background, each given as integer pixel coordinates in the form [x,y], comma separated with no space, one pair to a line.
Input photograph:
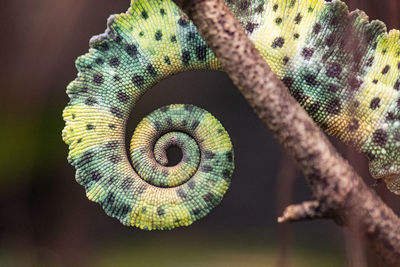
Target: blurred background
[45,217]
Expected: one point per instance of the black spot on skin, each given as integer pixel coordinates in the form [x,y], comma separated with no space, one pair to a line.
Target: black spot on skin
[188,107]
[307,53]
[299,95]
[298,18]
[109,200]
[157,125]
[114,62]
[182,22]
[380,137]
[112,145]
[162,12]
[209,154]
[123,210]
[99,61]
[386,69]
[296,36]
[73,116]
[90,127]
[278,21]
[317,28]
[195,212]
[285,60]
[181,194]
[111,126]
[333,70]
[98,78]
[191,184]
[115,159]
[103,47]
[118,39]
[259,9]
[229,156]
[355,83]
[117,112]
[85,159]
[250,26]
[333,88]
[131,50]
[278,42]
[158,35]
[195,124]
[326,56]
[354,125]
[84,90]
[244,5]
[210,197]
[167,60]
[334,106]
[226,174]
[127,183]
[139,190]
[151,70]
[169,121]
[141,34]
[370,61]
[160,211]
[186,57]
[201,52]
[117,78]
[275,7]
[375,103]
[397,86]
[390,116]
[375,81]
[173,38]
[191,36]
[145,15]
[330,40]
[288,81]
[123,97]
[90,101]
[206,168]
[138,80]
[311,79]
[314,108]
[95,176]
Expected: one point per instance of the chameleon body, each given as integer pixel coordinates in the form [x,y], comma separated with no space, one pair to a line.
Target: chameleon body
[343,69]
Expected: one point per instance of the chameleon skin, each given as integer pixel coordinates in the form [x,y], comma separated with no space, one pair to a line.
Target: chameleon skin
[343,69]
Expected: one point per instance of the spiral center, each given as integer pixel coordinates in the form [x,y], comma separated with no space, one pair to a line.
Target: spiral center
[174,155]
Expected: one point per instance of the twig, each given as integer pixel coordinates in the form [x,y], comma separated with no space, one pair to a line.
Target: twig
[334,183]
[309,210]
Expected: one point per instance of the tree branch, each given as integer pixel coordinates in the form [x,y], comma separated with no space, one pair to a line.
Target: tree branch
[335,185]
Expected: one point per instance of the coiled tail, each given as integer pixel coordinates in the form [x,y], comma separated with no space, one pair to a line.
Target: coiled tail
[149,43]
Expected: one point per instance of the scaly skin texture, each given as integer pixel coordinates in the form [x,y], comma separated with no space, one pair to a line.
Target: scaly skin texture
[342,69]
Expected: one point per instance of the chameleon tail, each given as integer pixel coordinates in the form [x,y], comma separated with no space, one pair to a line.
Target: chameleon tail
[150,42]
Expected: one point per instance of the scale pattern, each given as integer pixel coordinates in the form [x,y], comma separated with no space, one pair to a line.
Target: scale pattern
[343,69]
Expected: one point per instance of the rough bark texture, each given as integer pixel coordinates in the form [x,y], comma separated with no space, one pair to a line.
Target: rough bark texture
[339,192]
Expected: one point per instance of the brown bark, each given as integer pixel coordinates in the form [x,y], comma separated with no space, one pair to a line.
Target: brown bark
[339,193]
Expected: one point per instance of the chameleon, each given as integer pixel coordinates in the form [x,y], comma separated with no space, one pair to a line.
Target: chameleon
[341,68]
